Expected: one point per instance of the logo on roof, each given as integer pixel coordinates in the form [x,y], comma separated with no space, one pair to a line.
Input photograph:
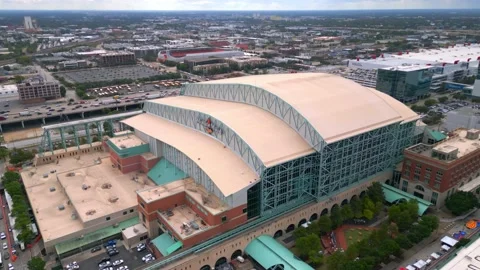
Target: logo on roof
[209,126]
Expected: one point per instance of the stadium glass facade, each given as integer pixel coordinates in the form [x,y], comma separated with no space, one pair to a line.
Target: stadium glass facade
[404,85]
[331,169]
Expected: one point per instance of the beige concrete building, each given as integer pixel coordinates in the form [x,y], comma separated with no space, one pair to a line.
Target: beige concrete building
[247,60]
[79,199]
[38,91]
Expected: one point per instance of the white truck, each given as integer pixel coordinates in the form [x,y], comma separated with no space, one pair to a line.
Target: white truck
[153,96]
[25,113]
[108,101]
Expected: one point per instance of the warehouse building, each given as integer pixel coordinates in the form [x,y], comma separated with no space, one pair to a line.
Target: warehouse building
[117,59]
[38,91]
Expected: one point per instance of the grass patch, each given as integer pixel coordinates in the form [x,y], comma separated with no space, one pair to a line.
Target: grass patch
[356,235]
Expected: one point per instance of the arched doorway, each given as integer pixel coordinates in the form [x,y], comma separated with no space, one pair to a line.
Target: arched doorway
[362,194]
[324,212]
[313,217]
[354,197]
[278,234]
[220,261]
[236,254]
[206,267]
[334,206]
[303,221]
[290,228]
[344,202]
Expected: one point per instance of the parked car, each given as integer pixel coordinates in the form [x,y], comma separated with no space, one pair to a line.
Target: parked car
[141,247]
[104,264]
[144,258]
[110,243]
[117,262]
[113,252]
[6,255]
[10,266]
[104,260]
[95,249]
[5,246]
[2,235]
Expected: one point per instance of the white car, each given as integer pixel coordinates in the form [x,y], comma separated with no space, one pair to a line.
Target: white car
[117,262]
[123,267]
[150,259]
[5,246]
[2,235]
[10,267]
[144,258]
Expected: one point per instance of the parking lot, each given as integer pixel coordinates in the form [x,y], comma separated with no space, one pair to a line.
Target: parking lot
[131,258]
[109,74]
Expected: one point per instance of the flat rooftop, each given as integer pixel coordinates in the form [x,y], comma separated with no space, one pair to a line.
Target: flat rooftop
[53,223]
[126,141]
[457,141]
[227,170]
[181,215]
[214,205]
[269,137]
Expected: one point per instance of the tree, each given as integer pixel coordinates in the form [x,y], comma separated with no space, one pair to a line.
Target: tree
[430,221]
[315,259]
[24,60]
[325,224]
[430,102]
[403,241]
[18,79]
[336,260]
[419,108]
[369,208]
[462,242]
[357,208]
[461,202]
[36,263]
[347,212]
[4,153]
[19,155]
[442,99]
[375,192]
[63,91]
[336,217]
[368,214]
[308,243]
[300,232]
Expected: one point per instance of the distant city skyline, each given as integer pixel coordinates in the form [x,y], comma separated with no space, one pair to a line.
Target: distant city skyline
[234,4]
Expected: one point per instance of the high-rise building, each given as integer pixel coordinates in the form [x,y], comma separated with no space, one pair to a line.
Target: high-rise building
[117,59]
[29,23]
[406,84]
[34,92]
[434,172]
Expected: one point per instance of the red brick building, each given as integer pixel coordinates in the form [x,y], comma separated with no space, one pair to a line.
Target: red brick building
[434,172]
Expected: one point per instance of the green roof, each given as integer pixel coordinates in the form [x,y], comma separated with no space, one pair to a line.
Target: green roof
[95,236]
[268,252]
[394,194]
[438,136]
[165,172]
[166,245]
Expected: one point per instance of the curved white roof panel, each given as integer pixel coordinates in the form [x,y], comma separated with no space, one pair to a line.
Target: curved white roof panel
[268,136]
[336,107]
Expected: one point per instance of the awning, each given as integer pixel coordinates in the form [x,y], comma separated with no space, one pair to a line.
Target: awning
[394,195]
[166,244]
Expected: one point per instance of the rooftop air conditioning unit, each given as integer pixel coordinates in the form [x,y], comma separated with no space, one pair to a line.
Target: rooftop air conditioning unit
[52,189]
[61,207]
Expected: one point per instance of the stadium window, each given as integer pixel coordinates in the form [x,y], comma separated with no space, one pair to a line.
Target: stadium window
[124,212]
[131,210]
[224,218]
[107,218]
[244,210]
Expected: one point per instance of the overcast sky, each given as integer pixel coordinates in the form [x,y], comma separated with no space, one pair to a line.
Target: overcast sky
[234,4]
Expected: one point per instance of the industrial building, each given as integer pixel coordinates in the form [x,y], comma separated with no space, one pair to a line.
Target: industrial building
[247,61]
[142,51]
[74,64]
[38,91]
[446,64]
[205,64]
[261,149]
[434,172]
[181,54]
[117,59]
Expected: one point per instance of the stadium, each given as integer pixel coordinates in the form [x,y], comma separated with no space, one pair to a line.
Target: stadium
[181,54]
[242,149]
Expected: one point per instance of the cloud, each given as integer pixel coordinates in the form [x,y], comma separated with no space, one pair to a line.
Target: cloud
[233,4]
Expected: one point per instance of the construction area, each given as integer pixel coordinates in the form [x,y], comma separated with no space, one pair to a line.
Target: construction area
[79,194]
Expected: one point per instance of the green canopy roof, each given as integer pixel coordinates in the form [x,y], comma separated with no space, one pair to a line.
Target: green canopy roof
[166,245]
[165,172]
[268,252]
[438,136]
[394,194]
[94,236]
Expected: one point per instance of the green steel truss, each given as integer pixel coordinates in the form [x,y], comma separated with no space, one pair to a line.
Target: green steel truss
[74,130]
[218,130]
[261,98]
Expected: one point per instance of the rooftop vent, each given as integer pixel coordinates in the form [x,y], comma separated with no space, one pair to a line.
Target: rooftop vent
[85,187]
[123,146]
[45,175]
[90,212]
[472,134]
[61,207]
[52,189]
[106,186]
[70,174]
[113,199]
[73,216]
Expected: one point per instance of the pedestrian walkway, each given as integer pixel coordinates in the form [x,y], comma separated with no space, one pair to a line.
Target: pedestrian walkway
[447,220]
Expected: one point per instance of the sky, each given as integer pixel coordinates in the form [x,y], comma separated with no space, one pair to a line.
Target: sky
[235,4]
